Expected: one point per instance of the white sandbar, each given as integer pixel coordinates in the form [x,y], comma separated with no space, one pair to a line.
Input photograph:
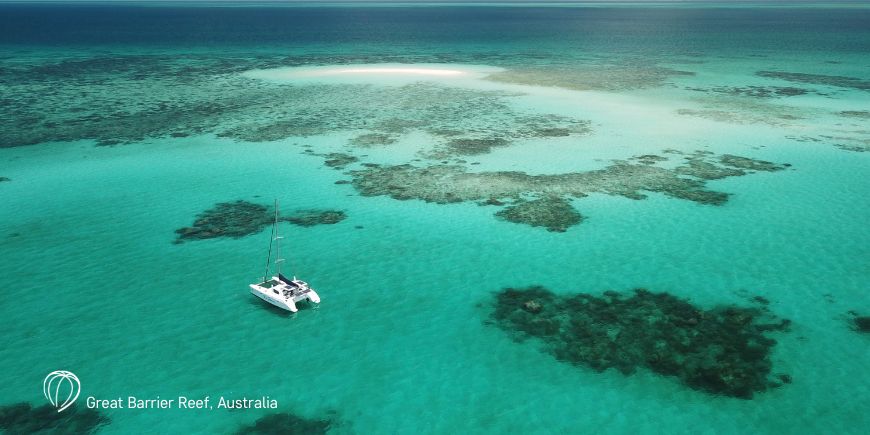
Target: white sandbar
[383,74]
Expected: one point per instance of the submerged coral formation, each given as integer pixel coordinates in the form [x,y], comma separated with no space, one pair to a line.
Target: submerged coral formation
[862,114]
[23,418]
[310,218]
[723,350]
[445,184]
[339,160]
[553,213]
[859,141]
[2,179]
[475,146]
[605,76]
[849,140]
[228,219]
[241,218]
[373,139]
[818,79]
[861,323]
[745,113]
[750,164]
[287,423]
[760,91]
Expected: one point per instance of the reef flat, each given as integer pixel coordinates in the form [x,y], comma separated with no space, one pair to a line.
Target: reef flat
[745,110]
[127,99]
[723,350]
[598,76]
[541,200]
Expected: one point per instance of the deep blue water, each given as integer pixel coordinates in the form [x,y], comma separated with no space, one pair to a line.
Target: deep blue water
[637,29]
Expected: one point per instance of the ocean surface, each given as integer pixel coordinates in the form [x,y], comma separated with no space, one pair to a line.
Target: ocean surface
[584,148]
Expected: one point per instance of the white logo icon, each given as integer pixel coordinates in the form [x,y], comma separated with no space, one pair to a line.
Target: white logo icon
[61,388]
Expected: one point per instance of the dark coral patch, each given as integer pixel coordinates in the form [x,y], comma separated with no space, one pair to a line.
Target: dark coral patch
[241,218]
[2,179]
[373,139]
[469,147]
[697,166]
[23,418]
[228,219]
[761,91]
[863,114]
[310,218]
[287,423]
[818,79]
[723,350]
[750,164]
[862,323]
[554,213]
[339,160]
[649,159]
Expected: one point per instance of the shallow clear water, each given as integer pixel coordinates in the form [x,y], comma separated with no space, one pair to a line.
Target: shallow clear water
[401,343]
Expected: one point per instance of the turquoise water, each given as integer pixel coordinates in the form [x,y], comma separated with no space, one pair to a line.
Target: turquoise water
[120,126]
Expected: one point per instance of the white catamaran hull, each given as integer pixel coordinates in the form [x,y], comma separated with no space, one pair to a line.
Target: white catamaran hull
[286,303]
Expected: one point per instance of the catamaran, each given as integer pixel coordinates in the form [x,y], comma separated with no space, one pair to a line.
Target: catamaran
[279,290]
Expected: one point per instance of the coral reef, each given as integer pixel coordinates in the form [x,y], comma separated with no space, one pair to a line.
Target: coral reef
[310,218]
[339,160]
[760,91]
[104,99]
[818,79]
[241,218]
[553,213]
[698,166]
[649,159]
[445,184]
[603,76]
[860,142]
[228,219]
[750,164]
[744,114]
[862,114]
[287,423]
[22,418]
[722,350]
[861,323]
[373,139]
[2,179]
[854,140]
[469,147]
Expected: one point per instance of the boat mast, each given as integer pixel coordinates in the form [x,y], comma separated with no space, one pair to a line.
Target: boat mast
[269,256]
[278,259]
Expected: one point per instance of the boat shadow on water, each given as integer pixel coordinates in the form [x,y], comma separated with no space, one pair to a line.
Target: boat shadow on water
[259,304]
